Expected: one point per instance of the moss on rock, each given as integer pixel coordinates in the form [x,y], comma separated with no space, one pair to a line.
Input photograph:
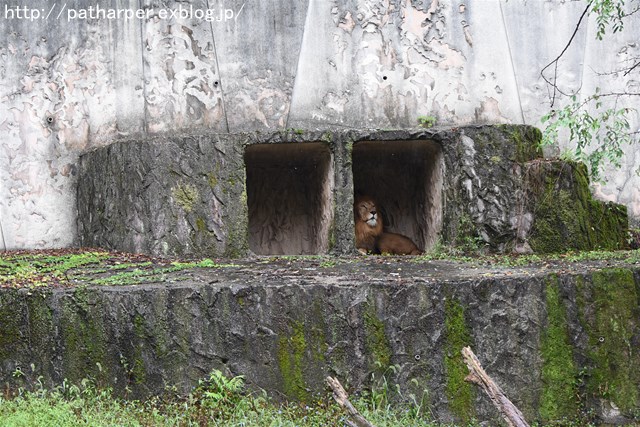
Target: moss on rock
[457,335]
[84,337]
[559,392]
[613,324]
[376,341]
[10,321]
[185,195]
[566,217]
[291,351]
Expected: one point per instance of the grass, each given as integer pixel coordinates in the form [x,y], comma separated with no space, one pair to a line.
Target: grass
[440,252]
[216,401]
[68,267]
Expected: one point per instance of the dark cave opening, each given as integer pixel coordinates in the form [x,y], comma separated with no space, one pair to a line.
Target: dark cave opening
[405,178]
[289,198]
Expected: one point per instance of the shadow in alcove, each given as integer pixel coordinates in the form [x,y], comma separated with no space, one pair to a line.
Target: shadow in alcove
[289,197]
[405,178]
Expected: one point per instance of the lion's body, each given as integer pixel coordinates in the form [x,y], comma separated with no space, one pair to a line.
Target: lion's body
[396,244]
[370,237]
[368,223]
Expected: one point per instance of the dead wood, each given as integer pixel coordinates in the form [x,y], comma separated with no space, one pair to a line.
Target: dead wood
[478,376]
[343,400]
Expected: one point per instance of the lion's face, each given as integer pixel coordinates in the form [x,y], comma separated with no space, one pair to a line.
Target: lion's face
[367,212]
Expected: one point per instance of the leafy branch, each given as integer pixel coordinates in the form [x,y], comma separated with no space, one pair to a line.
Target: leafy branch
[605,131]
[599,132]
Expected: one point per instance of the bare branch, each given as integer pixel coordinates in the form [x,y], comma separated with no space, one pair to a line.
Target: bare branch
[637,64]
[554,84]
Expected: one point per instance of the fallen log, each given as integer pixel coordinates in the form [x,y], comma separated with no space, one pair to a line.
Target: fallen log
[343,400]
[478,376]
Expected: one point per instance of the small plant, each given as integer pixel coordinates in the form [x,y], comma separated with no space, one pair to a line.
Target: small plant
[427,121]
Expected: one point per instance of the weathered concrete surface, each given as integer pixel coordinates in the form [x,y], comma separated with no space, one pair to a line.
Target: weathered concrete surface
[471,187]
[272,66]
[554,337]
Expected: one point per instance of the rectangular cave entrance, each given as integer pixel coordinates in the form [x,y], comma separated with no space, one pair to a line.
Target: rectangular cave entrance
[289,197]
[405,178]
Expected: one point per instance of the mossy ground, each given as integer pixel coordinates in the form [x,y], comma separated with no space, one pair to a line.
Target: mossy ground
[72,267]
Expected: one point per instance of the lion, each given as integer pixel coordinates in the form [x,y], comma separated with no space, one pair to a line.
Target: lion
[396,244]
[370,235]
[368,224]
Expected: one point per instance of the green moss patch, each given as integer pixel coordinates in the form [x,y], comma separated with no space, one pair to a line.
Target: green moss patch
[559,373]
[291,352]
[612,320]
[566,217]
[84,336]
[185,195]
[457,336]
[69,267]
[376,341]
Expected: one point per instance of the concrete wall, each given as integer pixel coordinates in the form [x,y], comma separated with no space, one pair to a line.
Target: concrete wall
[558,344]
[70,83]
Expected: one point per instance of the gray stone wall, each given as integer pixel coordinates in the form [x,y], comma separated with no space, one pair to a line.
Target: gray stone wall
[73,82]
[292,193]
[557,343]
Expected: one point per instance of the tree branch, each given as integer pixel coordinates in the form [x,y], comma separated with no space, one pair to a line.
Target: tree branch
[554,84]
[478,376]
[343,400]
[637,64]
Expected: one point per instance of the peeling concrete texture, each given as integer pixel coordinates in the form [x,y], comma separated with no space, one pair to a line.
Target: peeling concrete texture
[69,86]
[557,338]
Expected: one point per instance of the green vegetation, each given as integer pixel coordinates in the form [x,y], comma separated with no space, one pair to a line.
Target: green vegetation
[41,269]
[291,352]
[427,121]
[597,123]
[567,216]
[447,253]
[376,341]
[611,321]
[559,373]
[216,401]
[185,195]
[459,392]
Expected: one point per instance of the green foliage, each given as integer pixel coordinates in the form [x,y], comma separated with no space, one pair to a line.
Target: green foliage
[216,401]
[599,136]
[599,132]
[427,121]
[609,13]
[386,398]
